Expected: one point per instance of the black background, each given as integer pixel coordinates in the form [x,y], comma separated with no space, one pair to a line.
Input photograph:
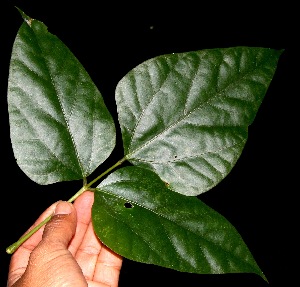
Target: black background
[109,39]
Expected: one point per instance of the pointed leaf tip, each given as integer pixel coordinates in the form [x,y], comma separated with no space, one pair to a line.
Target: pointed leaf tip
[26,18]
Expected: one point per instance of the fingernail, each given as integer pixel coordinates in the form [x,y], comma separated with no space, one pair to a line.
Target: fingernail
[63,207]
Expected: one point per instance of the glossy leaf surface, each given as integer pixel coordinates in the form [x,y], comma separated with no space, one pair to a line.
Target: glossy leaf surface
[137,216]
[186,115]
[60,127]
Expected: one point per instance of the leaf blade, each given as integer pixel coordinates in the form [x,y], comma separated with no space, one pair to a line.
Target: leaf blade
[138,217]
[59,125]
[186,116]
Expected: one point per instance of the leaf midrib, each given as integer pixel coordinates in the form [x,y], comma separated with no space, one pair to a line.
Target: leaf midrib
[166,218]
[129,155]
[59,101]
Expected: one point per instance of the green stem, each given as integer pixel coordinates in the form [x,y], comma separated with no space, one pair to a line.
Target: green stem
[87,186]
[13,247]
[107,171]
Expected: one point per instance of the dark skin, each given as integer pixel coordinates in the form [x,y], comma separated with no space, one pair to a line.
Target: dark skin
[65,252]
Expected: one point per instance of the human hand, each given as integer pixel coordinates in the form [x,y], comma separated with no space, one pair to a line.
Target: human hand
[65,252]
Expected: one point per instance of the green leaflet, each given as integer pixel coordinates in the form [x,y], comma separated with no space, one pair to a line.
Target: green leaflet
[184,120]
[186,116]
[59,125]
[137,216]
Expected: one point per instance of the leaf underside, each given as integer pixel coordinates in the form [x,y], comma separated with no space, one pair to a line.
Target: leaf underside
[137,216]
[60,127]
[186,115]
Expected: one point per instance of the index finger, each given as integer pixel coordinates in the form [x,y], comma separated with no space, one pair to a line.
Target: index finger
[83,205]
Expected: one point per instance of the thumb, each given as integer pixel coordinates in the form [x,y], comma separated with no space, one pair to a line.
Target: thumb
[62,226]
[50,262]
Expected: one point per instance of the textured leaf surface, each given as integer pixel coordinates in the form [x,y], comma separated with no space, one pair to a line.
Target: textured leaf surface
[137,216]
[60,127]
[186,116]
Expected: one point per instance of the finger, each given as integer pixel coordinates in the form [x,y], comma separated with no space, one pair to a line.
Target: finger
[108,267]
[83,205]
[34,239]
[88,252]
[19,259]
[57,234]
[53,246]
[61,228]
[98,263]
[51,262]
